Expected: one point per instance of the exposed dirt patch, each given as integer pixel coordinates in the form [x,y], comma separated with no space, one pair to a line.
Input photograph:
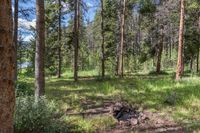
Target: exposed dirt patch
[130,119]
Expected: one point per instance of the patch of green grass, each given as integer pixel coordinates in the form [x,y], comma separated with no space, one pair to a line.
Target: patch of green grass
[144,91]
[87,73]
[90,124]
[147,92]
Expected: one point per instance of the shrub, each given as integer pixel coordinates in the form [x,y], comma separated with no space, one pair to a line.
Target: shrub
[24,89]
[42,117]
[171,98]
[155,73]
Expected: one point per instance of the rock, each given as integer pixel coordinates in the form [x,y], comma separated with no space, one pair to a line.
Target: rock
[134,121]
[159,121]
[127,114]
[117,106]
[143,117]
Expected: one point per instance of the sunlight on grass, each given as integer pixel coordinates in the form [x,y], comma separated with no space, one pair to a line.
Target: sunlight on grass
[143,91]
[90,124]
[69,73]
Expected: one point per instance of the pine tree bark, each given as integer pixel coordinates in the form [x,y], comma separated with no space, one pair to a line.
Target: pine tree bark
[160,50]
[7,68]
[179,69]
[120,56]
[59,40]
[76,37]
[103,40]
[40,49]
[15,33]
[198,48]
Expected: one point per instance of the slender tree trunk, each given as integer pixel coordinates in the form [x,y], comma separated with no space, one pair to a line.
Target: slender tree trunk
[59,40]
[139,35]
[7,68]
[191,64]
[15,33]
[120,58]
[170,48]
[173,36]
[20,59]
[103,38]
[160,50]
[76,38]
[170,44]
[197,60]
[198,49]
[40,49]
[180,46]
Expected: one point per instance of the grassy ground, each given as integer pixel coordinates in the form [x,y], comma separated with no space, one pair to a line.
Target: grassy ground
[178,100]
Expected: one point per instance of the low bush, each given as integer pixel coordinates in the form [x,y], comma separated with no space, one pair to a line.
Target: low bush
[41,117]
[24,89]
[171,98]
[155,73]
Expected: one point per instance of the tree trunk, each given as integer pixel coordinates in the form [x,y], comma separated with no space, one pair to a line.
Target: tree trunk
[120,58]
[59,40]
[198,49]
[20,58]
[139,38]
[191,64]
[171,41]
[40,49]
[7,68]
[170,48]
[197,60]
[76,38]
[180,46]
[159,55]
[103,38]
[15,34]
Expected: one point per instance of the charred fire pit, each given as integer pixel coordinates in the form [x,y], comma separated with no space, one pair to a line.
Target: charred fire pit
[132,119]
[128,115]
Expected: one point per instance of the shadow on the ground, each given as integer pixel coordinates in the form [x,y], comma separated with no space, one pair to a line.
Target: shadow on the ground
[145,91]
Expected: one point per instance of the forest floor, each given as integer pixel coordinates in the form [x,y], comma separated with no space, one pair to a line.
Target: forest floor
[168,106]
